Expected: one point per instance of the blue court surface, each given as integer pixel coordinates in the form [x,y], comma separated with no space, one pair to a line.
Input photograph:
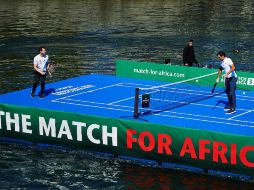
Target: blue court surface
[111,96]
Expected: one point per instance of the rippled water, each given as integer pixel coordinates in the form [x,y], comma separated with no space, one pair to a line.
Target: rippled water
[47,168]
[85,37]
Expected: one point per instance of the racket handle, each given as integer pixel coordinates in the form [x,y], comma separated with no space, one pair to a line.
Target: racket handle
[50,74]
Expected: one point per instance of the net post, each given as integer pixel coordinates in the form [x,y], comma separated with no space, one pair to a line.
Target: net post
[136,103]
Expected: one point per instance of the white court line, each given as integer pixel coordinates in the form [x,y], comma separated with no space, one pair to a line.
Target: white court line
[62,102]
[121,100]
[120,84]
[241,114]
[207,105]
[100,103]
[179,117]
[88,91]
[211,117]
[173,101]
[238,95]
[210,121]
[164,100]
[244,98]
[177,90]
[180,113]
[208,95]
[197,104]
[179,82]
[191,90]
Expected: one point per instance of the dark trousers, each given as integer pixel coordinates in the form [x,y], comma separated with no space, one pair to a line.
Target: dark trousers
[39,78]
[230,84]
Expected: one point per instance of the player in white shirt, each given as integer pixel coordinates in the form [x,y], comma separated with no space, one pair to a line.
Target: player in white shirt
[230,80]
[41,65]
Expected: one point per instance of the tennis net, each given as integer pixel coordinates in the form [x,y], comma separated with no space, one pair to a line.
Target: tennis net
[160,98]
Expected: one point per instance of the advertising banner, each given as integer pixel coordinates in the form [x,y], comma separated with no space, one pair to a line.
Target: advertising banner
[198,148]
[175,73]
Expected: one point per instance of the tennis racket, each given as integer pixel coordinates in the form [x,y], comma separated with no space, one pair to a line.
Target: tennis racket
[214,86]
[51,70]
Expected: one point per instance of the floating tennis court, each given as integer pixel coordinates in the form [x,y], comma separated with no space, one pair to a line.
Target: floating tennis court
[135,114]
[114,97]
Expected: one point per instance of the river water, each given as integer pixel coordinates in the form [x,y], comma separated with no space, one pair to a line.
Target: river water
[88,36]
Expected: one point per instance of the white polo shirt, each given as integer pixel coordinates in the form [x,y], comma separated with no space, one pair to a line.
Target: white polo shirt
[41,62]
[226,65]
